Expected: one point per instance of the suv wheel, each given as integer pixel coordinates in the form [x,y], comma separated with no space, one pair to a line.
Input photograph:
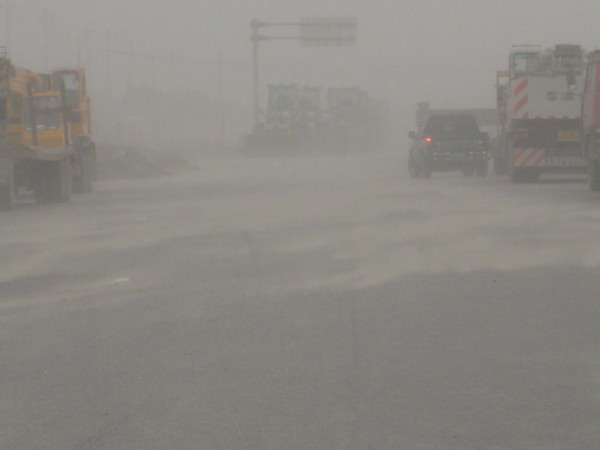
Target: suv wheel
[413,168]
[594,175]
[425,170]
[482,169]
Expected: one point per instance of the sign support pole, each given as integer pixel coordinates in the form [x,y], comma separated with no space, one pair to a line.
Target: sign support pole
[255,38]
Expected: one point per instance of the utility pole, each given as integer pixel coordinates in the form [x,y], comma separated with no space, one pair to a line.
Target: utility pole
[221,94]
[7,9]
[78,52]
[45,18]
[255,38]
[130,61]
[88,45]
[108,63]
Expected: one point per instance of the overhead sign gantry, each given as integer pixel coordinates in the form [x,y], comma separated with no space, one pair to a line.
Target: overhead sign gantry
[313,32]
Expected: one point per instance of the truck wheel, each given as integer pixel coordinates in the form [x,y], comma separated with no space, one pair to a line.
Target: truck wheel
[594,175]
[482,169]
[7,195]
[53,181]
[64,187]
[413,168]
[41,183]
[500,166]
[83,183]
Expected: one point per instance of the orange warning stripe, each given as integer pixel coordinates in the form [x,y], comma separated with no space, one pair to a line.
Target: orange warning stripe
[521,104]
[522,85]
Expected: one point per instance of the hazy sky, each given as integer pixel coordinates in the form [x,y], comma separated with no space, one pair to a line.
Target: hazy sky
[446,52]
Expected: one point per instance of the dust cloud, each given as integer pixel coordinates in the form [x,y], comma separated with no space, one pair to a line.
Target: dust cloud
[255,276]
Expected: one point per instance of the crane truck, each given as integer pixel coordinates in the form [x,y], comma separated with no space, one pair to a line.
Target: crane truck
[45,134]
[539,112]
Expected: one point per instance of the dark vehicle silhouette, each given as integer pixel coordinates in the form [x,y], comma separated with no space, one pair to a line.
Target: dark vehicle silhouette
[449,142]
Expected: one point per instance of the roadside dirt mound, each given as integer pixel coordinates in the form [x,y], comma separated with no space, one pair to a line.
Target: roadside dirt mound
[124,162]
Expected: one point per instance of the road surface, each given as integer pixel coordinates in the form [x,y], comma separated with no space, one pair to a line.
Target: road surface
[303,303]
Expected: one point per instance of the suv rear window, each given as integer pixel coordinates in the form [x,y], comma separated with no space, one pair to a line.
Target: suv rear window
[455,126]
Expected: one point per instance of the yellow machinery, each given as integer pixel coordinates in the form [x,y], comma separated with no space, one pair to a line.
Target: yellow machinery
[45,134]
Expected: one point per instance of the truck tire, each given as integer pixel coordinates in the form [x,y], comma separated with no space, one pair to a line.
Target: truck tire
[7,195]
[64,186]
[83,183]
[594,175]
[500,166]
[53,182]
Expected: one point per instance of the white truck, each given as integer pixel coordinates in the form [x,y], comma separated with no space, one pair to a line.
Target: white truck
[539,112]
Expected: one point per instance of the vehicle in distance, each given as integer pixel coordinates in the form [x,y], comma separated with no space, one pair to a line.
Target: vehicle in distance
[591,119]
[449,142]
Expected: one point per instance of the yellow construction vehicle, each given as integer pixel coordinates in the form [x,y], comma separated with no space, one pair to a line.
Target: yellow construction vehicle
[45,134]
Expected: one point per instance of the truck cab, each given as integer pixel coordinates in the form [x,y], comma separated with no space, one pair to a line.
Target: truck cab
[72,81]
[51,130]
[590,119]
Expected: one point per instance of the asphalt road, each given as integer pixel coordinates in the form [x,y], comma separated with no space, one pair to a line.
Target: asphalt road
[303,303]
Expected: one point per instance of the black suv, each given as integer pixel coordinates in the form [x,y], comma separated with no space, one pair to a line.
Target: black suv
[449,142]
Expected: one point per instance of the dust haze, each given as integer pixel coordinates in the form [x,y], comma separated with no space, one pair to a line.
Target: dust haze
[431,51]
[224,287]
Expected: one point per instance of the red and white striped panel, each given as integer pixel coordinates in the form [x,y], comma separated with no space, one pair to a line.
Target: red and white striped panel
[529,157]
[521,99]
